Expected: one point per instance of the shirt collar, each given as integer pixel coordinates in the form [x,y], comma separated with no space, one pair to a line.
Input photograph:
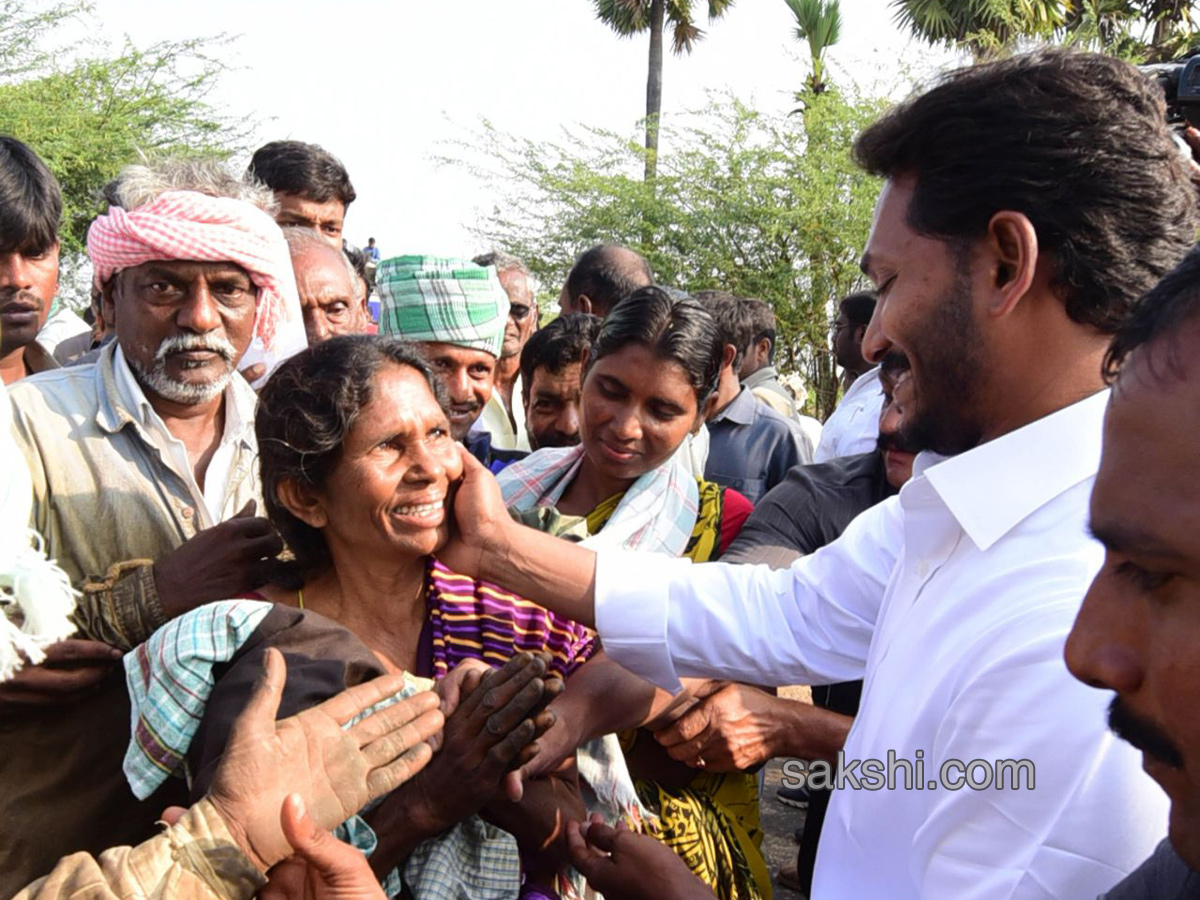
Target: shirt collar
[1034,464]
[130,398]
[762,376]
[863,384]
[741,409]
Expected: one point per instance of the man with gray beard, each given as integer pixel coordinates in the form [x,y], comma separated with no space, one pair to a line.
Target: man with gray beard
[145,485]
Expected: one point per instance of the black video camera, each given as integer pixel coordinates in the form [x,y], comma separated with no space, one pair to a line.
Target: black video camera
[1180,81]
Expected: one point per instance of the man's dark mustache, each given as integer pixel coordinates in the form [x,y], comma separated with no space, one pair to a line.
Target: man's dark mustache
[897,442]
[1142,734]
[460,409]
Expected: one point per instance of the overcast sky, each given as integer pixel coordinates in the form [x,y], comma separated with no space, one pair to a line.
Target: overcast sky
[383,84]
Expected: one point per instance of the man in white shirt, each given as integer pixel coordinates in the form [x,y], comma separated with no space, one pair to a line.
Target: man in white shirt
[853,427]
[1011,239]
[503,415]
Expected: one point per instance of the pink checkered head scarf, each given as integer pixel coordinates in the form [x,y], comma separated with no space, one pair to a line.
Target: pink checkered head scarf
[187,225]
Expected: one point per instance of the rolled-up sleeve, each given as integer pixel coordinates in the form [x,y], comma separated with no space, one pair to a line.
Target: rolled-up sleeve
[195,859]
[123,608]
[811,624]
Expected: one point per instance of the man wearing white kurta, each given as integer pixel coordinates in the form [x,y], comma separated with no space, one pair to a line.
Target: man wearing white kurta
[953,600]
[854,426]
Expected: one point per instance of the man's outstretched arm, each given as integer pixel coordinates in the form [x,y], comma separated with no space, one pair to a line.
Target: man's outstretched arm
[662,618]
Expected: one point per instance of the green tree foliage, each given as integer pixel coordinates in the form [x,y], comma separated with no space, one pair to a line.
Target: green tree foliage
[1138,30]
[101,110]
[819,24]
[24,32]
[630,17]
[764,206]
[985,27]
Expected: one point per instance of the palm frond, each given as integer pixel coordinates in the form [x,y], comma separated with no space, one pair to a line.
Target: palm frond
[625,17]
[684,36]
[718,8]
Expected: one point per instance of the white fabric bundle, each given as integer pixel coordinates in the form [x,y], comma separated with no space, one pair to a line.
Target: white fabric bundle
[36,597]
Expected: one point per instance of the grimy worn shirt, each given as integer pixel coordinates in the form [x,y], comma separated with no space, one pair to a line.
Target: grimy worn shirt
[109,493]
[109,502]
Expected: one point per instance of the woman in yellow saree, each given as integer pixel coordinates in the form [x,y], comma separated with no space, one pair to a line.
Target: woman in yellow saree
[647,386]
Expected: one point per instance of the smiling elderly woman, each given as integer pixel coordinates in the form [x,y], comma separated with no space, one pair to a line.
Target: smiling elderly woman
[357,466]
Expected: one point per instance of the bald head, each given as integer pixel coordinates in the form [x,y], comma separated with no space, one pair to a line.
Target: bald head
[326,283]
[602,277]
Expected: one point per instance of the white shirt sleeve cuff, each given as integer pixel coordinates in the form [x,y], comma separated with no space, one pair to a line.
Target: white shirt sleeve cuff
[633,598]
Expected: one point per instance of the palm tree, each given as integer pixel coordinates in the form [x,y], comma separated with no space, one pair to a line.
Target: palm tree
[984,27]
[630,17]
[820,23]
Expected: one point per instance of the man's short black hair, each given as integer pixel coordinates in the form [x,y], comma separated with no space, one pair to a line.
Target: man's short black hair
[358,262]
[732,318]
[762,324]
[30,200]
[306,170]
[859,307]
[1077,142]
[1164,310]
[607,274]
[568,339]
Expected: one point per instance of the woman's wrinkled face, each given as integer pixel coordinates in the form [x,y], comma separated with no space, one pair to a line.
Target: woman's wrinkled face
[390,490]
[636,409]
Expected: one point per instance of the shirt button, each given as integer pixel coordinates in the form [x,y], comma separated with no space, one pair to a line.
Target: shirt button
[188,512]
[923,569]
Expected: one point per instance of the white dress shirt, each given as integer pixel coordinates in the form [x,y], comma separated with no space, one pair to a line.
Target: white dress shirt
[953,602]
[239,427]
[854,426]
[494,420]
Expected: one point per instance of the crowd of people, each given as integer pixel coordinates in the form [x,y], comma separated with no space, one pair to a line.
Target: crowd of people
[327,573]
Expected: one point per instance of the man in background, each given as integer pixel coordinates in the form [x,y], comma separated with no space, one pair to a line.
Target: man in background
[327,285]
[810,509]
[30,207]
[602,277]
[504,415]
[552,365]
[310,185]
[456,312]
[758,370]
[854,425]
[751,447]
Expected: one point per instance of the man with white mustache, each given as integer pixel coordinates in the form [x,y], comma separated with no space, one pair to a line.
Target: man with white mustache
[145,483]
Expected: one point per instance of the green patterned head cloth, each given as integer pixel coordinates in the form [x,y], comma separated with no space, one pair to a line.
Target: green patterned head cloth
[437,298]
